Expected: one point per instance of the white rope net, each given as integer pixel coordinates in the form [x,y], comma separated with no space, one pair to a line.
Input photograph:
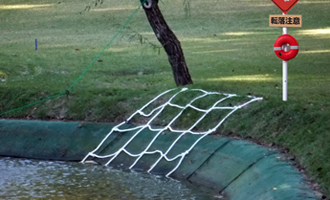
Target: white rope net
[223,105]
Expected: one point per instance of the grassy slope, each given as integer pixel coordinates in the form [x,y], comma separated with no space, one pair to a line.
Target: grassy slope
[228,47]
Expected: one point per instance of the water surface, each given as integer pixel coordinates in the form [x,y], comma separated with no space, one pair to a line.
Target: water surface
[34,179]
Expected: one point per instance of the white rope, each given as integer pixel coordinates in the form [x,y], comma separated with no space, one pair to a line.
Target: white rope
[153,114]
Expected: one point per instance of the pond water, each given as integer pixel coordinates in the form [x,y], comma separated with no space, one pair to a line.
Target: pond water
[34,179]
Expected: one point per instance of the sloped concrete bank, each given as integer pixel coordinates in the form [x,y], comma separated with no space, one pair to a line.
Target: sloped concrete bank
[240,169]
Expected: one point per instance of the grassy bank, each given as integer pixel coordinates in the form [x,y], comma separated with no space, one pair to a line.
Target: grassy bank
[228,47]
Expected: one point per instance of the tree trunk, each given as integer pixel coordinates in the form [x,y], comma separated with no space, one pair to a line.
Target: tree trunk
[169,42]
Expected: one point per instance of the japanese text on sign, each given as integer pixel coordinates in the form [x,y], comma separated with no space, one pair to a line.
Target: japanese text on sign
[285,20]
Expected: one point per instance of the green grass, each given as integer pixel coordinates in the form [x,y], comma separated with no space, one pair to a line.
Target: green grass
[228,47]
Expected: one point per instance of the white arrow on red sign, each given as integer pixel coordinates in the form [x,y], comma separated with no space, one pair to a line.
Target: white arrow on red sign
[285,5]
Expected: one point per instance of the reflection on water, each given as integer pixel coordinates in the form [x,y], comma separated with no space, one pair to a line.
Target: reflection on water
[32,179]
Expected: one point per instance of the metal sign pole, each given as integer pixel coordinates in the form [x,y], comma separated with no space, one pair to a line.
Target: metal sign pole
[285,70]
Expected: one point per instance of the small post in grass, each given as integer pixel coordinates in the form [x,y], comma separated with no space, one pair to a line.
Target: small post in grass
[36,44]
